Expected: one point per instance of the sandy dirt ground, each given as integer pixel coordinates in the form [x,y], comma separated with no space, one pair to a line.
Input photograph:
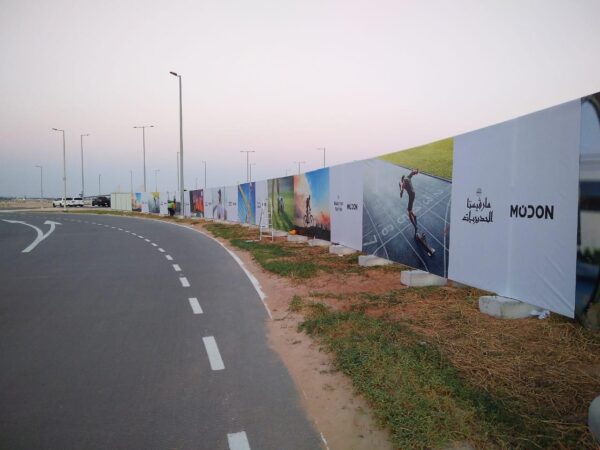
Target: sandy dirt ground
[343,418]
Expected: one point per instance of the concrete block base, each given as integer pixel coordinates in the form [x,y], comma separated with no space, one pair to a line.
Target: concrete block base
[279,234]
[341,250]
[372,260]
[420,278]
[319,243]
[594,418]
[296,238]
[456,284]
[505,308]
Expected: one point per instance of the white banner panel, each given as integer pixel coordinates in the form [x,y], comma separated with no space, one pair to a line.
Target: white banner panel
[145,200]
[208,203]
[187,210]
[231,198]
[163,203]
[218,209]
[262,202]
[514,208]
[346,204]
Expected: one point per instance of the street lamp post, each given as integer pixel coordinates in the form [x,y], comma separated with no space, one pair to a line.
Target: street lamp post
[299,162]
[253,164]
[204,162]
[99,184]
[143,127]
[82,182]
[64,169]
[322,148]
[156,179]
[131,181]
[180,145]
[41,185]
[177,171]
[247,152]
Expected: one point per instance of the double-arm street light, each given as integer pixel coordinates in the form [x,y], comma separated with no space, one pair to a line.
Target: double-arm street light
[82,182]
[180,146]
[143,127]
[299,162]
[64,169]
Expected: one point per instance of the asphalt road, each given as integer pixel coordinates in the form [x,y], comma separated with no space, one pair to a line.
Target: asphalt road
[101,348]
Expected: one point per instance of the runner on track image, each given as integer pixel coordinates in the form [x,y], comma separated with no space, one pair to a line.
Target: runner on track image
[406,212]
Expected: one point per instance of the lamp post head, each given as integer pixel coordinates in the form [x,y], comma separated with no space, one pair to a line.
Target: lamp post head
[174,74]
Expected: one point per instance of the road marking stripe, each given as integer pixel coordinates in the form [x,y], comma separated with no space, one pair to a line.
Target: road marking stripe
[154,245]
[214,357]
[141,237]
[147,240]
[196,308]
[176,268]
[184,282]
[161,250]
[134,234]
[120,229]
[238,441]
[169,257]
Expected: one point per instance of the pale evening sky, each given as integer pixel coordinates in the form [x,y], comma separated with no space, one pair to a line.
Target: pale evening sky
[361,78]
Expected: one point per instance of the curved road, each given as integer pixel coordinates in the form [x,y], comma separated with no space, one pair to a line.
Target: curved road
[102,345]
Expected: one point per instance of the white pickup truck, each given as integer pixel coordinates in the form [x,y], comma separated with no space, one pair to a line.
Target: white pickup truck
[71,201]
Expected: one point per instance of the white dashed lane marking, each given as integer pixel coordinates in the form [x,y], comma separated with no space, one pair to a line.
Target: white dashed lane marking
[196,308]
[238,441]
[214,357]
[169,257]
[161,250]
[147,240]
[176,268]
[154,245]
[184,282]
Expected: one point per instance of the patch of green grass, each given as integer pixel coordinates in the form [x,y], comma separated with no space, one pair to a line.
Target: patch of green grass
[296,304]
[285,221]
[277,259]
[434,158]
[226,231]
[413,389]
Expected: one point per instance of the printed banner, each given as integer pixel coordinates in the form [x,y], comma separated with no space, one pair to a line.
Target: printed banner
[514,214]
[154,203]
[247,203]
[346,204]
[145,201]
[588,237]
[218,208]
[164,203]
[197,201]
[136,202]
[406,211]
[311,199]
[262,202]
[281,198]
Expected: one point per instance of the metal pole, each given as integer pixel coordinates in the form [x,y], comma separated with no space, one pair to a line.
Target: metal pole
[144,149]
[143,127]
[177,171]
[182,195]
[131,180]
[247,152]
[82,179]
[41,185]
[99,184]
[156,179]
[253,164]
[323,148]
[204,175]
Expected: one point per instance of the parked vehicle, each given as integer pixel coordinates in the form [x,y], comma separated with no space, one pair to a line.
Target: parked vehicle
[101,200]
[71,201]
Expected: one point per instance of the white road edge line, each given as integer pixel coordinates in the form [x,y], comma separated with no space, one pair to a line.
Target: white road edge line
[251,277]
[214,357]
[184,282]
[176,268]
[196,308]
[169,257]
[238,441]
